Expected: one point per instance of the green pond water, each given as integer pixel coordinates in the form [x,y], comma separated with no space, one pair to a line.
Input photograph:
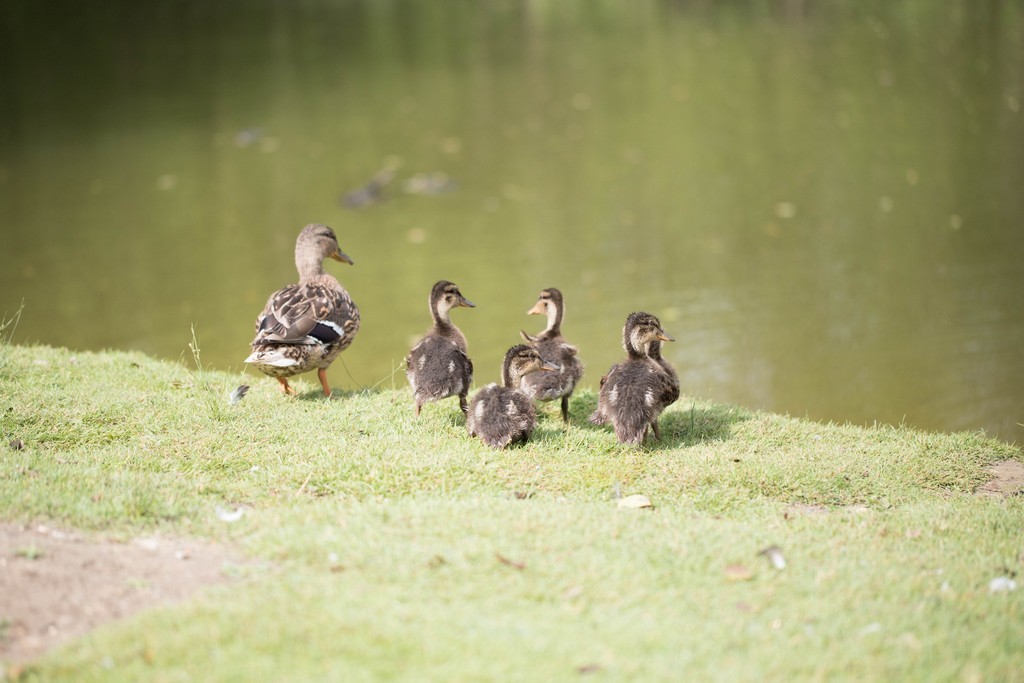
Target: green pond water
[822,201]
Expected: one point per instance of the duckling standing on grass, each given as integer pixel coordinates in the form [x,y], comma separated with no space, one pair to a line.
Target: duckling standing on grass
[635,392]
[306,325]
[547,386]
[438,366]
[504,415]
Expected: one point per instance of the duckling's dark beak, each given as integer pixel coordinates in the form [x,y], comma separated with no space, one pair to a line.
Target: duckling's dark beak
[536,310]
[463,301]
[664,337]
[549,366]
[339,255]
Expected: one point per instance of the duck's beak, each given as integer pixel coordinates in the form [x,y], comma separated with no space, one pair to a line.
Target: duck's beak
[536,310]
[664,337]
[549,366]
[463,301]
[339,255]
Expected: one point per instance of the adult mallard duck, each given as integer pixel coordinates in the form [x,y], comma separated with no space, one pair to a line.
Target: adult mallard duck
[635,392]
[501,415]
[306,325]
[552,347]
[439,365]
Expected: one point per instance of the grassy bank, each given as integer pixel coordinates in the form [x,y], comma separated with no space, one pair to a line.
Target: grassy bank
[401,549]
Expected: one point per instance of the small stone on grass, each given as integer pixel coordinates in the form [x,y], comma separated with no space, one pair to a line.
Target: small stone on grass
[1002,584]
[635,502]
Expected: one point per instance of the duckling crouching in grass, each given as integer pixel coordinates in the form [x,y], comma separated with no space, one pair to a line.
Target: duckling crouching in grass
[636,391]
[439,366]
[551,345]
[306,325]
[503,415]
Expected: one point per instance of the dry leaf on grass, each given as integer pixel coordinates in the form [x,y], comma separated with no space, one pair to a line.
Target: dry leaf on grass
[738,572]
[511,563]
[573,592]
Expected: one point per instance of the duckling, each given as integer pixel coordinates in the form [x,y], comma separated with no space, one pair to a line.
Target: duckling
[635,392]
[438,366]
[501,415]
[306,325]
[547,386]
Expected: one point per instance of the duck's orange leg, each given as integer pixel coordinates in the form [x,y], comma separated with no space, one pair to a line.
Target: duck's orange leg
[288,391]
[322,374]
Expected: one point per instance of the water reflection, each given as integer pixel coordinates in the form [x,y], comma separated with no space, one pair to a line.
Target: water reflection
[819,199]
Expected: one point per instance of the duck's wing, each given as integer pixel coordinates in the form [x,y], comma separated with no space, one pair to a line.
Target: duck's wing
[307,314]
[664,385]
[468,364]
[671,390]
[413,355]
[434,354]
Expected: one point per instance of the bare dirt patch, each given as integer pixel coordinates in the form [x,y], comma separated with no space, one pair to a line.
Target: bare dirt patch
[1007,480]
[57,585]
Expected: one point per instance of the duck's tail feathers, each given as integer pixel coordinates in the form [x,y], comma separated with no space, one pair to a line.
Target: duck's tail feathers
[272,357]
[631,427]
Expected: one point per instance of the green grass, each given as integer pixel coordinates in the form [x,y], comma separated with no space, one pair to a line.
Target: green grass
[401,549]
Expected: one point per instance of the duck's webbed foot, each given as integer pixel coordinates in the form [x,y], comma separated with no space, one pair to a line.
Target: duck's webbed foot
[287,388]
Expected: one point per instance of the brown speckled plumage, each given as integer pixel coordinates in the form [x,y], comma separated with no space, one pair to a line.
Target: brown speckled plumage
[552,347]
[503,415]
[438,366]
[306,325]
[635,392]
